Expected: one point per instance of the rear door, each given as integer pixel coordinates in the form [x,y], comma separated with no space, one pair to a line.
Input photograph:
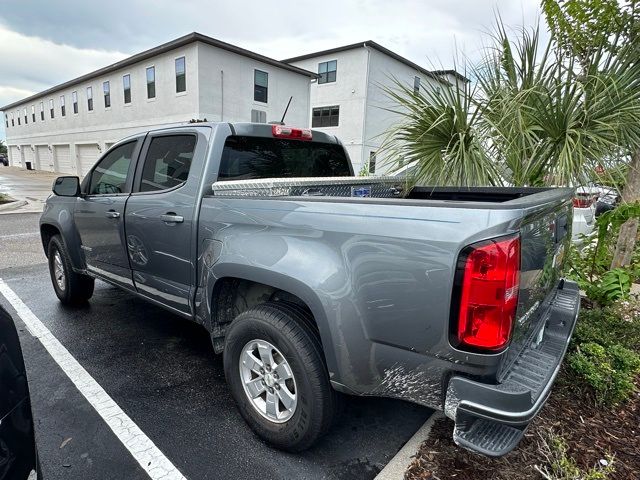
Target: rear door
[99,213]
[160,216]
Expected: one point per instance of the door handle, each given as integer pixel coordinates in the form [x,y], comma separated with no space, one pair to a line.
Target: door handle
[172,218]
[112,214]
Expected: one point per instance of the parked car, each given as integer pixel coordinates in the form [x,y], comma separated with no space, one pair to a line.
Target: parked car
[584,212]
[589,203]
[18,455]
[4,160]
[311,281]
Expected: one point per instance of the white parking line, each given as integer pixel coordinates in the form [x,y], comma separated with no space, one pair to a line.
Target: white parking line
[150,458]
[15,235]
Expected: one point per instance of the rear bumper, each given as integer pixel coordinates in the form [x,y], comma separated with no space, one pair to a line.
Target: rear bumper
[491,418]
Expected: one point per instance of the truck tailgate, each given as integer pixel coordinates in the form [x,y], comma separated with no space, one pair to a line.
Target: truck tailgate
[545,236]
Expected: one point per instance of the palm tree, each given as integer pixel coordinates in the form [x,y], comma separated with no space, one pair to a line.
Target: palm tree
[530,118]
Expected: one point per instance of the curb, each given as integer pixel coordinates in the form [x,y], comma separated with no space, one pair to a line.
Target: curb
[397,466]
[12,205]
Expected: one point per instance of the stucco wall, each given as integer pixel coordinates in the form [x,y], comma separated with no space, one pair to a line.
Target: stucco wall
[226,89]
[348,91]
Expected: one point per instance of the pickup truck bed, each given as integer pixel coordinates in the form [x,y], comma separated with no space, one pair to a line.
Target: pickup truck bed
[447,297]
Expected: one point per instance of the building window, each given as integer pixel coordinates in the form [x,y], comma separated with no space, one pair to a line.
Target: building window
[416,85]
[90,98]
[63,110]
[74,100]
[18,115]
[126,85]
[327,71]
[258,116]
[372,162]
[106,89]
[325,116]
[260,86]
[51,112]
[151,82]
[181,75]
[33,113]
[24,111]
[6,120]
[42,111]
[13,122]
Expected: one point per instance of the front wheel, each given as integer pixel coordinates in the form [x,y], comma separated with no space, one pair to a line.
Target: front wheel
[71,288]
[275,369]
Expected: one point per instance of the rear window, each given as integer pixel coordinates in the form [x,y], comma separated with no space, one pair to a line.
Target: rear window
[246,158]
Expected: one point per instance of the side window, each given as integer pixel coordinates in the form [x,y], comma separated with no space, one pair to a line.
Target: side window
[167,162]
[110,175]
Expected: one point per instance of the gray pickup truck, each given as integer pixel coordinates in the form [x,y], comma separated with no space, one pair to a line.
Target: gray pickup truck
[314,283]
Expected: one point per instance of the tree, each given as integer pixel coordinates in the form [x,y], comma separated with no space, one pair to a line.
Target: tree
[3,147]
[581,26]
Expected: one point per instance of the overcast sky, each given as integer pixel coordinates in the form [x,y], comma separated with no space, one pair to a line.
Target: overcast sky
[44,43]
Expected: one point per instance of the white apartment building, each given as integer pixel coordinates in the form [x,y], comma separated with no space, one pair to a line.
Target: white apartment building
[348,99]
[66,128]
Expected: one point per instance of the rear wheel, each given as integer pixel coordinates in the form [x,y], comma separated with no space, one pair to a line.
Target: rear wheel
[275,369]
[71,288]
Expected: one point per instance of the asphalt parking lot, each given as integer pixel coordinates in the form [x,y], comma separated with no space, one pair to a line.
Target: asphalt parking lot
[162,372]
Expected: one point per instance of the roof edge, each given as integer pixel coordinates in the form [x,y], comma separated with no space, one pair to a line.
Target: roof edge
[158,50]
[435,74]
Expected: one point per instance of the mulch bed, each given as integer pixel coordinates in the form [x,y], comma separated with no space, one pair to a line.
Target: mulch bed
[590,431]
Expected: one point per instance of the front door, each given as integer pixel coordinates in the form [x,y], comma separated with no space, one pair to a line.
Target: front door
[99,214]
[160,215]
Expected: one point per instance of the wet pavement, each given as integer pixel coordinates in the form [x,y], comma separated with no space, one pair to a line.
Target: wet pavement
[30,185]
[161,370]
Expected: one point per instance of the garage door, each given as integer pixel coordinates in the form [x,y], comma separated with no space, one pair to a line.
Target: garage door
[14,157]
[87,157]
[62,155]
[45,156]
[29,156]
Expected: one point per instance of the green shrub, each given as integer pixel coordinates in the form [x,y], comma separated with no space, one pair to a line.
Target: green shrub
[613,285]
[588,262]
[617,324]
[610,371]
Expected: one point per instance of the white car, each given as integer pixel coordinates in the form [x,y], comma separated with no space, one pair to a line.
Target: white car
[584,212]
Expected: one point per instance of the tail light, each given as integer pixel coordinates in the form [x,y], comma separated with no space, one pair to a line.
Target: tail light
[488,281]
[582,201]
[281,131]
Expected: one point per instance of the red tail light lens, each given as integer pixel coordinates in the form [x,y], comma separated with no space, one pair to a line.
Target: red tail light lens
[281,131]
[582,201]
[489,293]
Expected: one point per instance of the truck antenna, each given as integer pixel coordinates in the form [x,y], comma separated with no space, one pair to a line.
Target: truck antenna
[285,110]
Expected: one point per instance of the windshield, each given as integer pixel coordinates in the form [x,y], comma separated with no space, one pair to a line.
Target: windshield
[246,158]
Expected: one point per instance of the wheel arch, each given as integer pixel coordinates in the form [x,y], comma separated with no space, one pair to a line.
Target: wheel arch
[263,285]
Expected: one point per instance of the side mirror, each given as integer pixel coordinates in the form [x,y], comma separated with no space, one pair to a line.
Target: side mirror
[67,187]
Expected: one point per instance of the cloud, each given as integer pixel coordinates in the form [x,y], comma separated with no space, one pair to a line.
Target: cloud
[32,64]
[43,44]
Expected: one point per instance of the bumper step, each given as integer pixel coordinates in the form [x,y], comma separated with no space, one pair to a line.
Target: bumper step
[487,437]
[491,418]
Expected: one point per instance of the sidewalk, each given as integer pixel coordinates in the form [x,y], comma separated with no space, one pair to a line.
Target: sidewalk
[30,187]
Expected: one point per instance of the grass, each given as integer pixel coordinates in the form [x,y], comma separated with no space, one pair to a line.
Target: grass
[5,198]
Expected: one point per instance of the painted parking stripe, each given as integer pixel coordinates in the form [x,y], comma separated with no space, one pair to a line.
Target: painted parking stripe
[145,452]
[16,235]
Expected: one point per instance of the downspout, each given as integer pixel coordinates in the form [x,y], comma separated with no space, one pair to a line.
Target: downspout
[221,95]
[364,110]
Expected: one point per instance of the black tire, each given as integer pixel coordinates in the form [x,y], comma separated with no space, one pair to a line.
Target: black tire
[77,288]
[284,327]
